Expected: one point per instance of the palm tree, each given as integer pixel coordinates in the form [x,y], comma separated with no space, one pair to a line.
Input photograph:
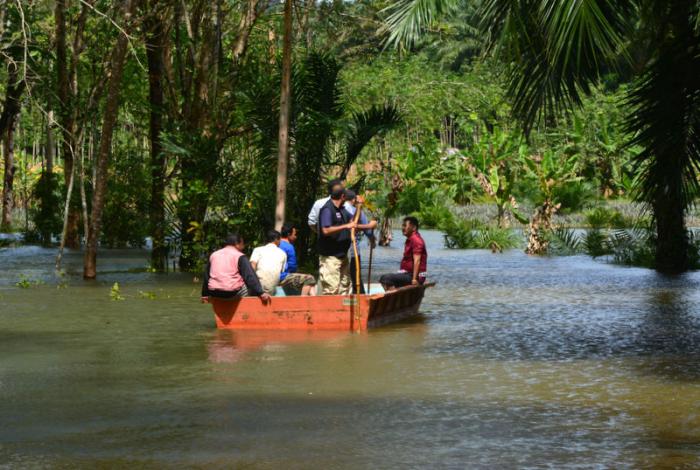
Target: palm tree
[325,139]
[558,50]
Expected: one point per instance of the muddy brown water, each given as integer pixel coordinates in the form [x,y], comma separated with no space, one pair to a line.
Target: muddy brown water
[516,362]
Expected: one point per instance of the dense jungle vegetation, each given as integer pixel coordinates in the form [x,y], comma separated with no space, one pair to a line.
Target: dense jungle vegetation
[159,119]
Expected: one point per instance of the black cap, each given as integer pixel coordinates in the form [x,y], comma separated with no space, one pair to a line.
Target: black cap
[350,194]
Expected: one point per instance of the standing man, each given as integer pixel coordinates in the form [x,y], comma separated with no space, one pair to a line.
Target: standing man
[334,227]
[413,269]
[229,275]
[364,226]
[290,278]
[333,185]
[269,262]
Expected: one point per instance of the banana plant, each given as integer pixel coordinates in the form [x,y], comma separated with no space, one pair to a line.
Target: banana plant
[495,163]
[549,169]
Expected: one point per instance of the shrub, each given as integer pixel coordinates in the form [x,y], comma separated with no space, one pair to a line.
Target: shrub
[564,241]
[432,216]
[603,217]
[470,233]
[574,196]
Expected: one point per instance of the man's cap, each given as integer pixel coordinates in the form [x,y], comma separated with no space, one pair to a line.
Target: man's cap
[350,194]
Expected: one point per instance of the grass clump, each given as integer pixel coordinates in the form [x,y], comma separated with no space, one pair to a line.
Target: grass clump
[26,282]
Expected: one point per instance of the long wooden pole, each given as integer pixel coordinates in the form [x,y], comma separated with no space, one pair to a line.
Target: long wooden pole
[353,236]
[369,268]
[285,106]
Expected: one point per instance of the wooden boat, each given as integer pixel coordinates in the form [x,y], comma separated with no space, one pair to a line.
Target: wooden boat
[327,312]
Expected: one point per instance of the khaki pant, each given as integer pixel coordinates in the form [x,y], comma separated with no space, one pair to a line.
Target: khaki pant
[334,274]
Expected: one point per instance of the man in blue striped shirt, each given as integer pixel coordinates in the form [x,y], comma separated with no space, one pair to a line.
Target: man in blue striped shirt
[350,206]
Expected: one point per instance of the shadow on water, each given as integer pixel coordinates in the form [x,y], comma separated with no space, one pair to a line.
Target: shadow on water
[668,337]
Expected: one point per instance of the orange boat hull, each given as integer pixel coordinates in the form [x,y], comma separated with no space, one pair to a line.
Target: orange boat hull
[328,312]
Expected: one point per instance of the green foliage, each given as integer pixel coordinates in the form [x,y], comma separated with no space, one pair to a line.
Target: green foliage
[469,233]
[147,295]
[47,221]
[115,293]
[125,219]
[564,241]
[433,215]
[602,217]
[595,243]
[26,282]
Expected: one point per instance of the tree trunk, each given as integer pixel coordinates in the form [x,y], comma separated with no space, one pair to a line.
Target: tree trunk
[8,179]
[285,102]
[50,151]
[65,115]
[8,119]
[111,111]
[155,45]
[540,226]
[671,233]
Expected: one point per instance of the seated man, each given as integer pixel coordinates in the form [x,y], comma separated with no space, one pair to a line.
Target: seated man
[268,262]
[414,262]
[228,274]
[290,278]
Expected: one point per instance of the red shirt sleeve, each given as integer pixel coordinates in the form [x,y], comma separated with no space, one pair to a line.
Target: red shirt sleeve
[417,246]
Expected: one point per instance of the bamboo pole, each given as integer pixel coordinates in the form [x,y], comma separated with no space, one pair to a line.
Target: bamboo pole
[353,236]
[369,268]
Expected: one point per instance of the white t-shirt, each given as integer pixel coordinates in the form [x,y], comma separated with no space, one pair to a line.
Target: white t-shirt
[270,262]
[315,210]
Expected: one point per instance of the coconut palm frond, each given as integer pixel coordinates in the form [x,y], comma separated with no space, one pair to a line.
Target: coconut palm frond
[366,125]
[408,19]
[556,49]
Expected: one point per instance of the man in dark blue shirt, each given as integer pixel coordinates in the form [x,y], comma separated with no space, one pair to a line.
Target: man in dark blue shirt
[334,227]
[290,280]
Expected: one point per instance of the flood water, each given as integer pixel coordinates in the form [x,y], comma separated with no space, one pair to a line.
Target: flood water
[516,362]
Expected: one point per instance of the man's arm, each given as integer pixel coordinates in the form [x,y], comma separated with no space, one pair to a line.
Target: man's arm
[366,226]
[327,228]
[338,228]
[249,277]
[312,219]
[416,269]
[205,283]
[292,267]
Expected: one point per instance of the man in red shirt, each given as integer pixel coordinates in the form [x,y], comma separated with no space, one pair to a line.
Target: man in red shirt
[414,262]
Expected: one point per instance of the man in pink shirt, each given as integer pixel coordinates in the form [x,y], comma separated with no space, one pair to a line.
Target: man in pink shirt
[228,273]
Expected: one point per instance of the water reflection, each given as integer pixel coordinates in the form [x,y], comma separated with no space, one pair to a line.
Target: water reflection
[231,346]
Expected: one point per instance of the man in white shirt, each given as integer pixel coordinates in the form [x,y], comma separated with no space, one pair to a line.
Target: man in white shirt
[269,261]
[316,209]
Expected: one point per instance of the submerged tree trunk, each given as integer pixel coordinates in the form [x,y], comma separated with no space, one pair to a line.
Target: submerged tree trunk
[540,226]
[672,235]
[8,119]
[155,45]
[285,102]
[111,111]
